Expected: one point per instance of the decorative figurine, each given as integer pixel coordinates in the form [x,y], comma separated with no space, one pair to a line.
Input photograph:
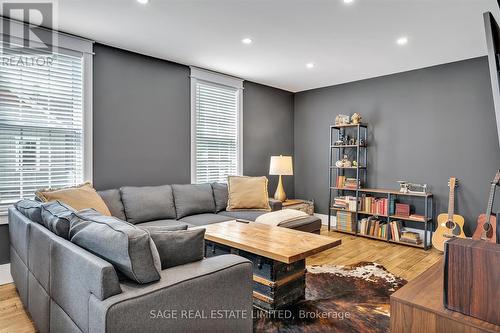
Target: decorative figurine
[343,163]
[356,118]
[341,119]
[407,187]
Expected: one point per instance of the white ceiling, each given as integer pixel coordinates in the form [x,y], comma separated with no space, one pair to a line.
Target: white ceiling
[346,42]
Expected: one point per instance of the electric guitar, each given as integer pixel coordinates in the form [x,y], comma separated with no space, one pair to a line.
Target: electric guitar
[449,225]
[486,227]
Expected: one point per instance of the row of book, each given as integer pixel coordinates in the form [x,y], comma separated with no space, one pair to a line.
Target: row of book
[399,234]
[346,182]
[345,221]
[345,202]
[376,206]
[373,227]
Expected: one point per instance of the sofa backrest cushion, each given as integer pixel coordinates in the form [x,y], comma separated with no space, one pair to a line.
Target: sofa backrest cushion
[148,203]
[31,209]
[220,196]
[179,247]
[193,199]
[129,248]
[56,217]
[113,199]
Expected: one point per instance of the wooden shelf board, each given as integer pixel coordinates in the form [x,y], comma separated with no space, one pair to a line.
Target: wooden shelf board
[354,168]
[343,188]
[394,192]
[420,246]
[368,213]
[347,146]
[344,231]
[397,217]
[348,125]
[372,237]
[342,210]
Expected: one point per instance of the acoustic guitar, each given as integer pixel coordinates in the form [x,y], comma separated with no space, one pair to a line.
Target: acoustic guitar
[449,225]
[486,228]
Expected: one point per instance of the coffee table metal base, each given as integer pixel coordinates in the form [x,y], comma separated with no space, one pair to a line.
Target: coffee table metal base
[275,284]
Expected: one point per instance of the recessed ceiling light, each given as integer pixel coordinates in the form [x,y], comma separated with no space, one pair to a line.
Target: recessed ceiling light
[348,1]
[310,65]
[247,41]
[402,40]
[143,2]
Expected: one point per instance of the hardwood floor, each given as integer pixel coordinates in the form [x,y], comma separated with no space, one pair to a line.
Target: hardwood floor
[404,261]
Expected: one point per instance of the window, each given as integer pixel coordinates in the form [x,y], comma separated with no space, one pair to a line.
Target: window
[45,137]
[216,131]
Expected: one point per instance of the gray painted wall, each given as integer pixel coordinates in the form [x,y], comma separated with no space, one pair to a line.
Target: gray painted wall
[141,120]
[267,131]
[425,126]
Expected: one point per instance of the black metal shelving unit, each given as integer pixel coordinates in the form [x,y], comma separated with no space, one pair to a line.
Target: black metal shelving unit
[358,152]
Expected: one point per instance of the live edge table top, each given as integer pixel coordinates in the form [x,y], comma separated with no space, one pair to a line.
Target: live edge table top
[277,243]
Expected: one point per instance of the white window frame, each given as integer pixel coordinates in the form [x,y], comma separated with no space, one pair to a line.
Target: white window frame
[203,75]
[65,43]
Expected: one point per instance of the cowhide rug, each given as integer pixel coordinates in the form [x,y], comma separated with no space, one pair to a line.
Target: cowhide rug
[338,299]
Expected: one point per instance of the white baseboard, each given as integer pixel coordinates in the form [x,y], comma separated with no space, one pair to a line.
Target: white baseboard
[324,219]
[5,276]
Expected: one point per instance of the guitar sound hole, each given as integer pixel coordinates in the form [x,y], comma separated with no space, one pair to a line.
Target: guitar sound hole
[450,225]
[486,227]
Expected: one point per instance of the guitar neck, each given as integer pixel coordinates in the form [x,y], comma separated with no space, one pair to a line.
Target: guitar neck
[451,203]
[490,200]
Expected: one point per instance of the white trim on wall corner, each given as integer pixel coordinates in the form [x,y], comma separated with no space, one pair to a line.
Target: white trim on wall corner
[5,276]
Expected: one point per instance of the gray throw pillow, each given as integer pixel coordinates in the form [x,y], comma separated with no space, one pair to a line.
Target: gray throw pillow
[56,216]
[193,199]
[129,248]
[113,199]
[31,209]
[148,203]
[179,247]
[220,196]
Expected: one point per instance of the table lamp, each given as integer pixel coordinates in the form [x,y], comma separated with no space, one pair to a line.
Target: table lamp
[281,166]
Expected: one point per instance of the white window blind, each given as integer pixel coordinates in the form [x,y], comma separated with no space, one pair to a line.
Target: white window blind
[217,132]
[41,125]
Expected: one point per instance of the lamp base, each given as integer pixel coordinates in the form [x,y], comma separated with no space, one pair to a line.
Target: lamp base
[280,191]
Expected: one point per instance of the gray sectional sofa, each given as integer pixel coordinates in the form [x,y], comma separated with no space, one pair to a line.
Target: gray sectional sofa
[191,205]
[66,288]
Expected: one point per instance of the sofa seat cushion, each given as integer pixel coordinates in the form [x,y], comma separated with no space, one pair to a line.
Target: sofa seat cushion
[163,223]
[204,219]
[113,199]
[56,217]
[220,196]
[148,203]
[129,248]
[249,215]
[31,209]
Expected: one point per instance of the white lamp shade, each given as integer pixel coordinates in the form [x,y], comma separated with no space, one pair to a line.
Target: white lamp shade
[281,165]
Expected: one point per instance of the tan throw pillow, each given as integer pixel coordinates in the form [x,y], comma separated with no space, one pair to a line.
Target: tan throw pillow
[79,197]
[249,193]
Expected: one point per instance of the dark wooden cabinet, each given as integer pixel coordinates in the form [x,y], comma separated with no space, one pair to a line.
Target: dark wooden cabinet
[419,307]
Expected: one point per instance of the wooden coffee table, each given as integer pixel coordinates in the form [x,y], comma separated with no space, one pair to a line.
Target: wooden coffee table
[278,255]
